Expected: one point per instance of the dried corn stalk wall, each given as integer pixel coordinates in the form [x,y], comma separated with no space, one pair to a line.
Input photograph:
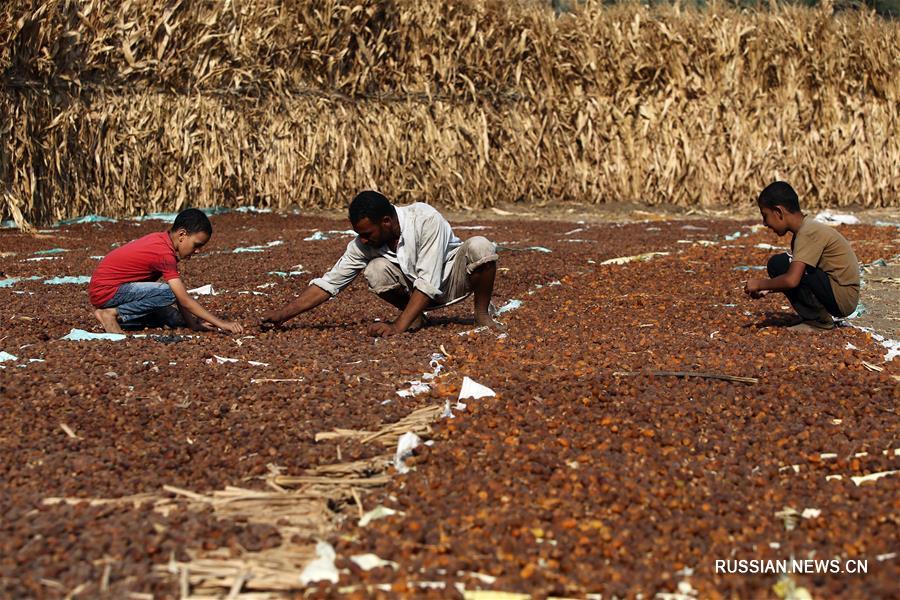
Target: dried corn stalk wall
[138,106]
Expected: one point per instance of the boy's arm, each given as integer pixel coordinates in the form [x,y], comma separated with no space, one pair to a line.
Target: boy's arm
[788,281]
[192,306]
[310,298]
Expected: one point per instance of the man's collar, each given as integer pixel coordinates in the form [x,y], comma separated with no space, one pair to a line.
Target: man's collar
[401,218]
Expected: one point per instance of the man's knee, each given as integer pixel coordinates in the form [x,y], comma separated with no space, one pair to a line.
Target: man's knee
[478,251]
[778,265]
[379,275]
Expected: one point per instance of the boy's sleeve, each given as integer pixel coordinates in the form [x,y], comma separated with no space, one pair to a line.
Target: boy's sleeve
[344,270]
[168,267]
[808,247]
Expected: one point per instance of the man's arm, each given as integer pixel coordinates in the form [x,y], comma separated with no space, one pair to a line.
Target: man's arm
[418,302]
[193,307]
[330,284]
[788,281]
[309,299]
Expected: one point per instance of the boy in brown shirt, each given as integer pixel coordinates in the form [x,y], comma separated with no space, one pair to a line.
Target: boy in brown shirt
[821,280]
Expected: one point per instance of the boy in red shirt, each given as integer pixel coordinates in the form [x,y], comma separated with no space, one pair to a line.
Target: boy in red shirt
[125,286]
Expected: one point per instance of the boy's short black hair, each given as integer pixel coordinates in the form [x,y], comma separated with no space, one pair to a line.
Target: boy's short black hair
[779,194]
[192,220]
[371,205]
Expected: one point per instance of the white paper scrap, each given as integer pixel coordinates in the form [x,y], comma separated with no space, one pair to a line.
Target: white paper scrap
[367,562]
[221,360]
[203,290]
[872,477]
[379,512]
[322,568]
[415,388]
[405,446]
[474,390]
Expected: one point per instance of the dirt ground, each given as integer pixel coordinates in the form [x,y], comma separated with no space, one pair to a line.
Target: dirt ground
[594,469]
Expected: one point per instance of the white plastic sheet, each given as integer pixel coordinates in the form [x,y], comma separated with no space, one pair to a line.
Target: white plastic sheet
[80,335]
[621,260]
[832,218]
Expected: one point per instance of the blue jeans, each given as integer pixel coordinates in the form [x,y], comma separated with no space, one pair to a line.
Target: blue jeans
[146,304]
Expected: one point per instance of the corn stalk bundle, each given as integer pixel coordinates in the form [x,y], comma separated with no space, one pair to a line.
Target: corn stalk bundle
[136,106]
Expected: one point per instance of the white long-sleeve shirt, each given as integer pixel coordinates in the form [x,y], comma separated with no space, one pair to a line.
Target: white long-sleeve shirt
[426,246]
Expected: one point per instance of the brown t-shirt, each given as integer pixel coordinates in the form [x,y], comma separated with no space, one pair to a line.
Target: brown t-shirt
[820,245]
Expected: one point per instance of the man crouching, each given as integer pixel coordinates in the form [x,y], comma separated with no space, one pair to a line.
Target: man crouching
[411,259]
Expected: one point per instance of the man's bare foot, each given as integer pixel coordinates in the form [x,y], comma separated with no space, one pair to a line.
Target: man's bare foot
[108,318]
[485,320]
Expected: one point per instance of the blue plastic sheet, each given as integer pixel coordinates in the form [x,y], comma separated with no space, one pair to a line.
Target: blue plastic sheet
[5,356]
[318,236]
[86,219]
[77,279]
[749,268]
[859,311]
[511,305]
[80,335]
[52,251]
[166,217]
[9,281]
[259,248]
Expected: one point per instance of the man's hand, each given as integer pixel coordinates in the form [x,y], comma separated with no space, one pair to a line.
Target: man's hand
[270,320]
[232,327]
[383,329]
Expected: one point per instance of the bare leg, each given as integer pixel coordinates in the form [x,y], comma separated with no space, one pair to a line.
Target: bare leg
[108,317]
[482,280]
[398,298]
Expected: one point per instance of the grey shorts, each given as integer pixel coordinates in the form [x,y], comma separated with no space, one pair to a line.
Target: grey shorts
[383,275]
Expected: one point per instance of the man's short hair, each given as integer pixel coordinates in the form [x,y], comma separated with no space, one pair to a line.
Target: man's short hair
[779,194]
[192,220]
[371,205]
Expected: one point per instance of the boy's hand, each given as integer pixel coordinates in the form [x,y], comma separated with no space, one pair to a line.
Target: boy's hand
[754,289]
[383,330]
[232,327]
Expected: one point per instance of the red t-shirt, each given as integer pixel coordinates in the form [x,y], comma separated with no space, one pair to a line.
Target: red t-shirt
[144,259]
